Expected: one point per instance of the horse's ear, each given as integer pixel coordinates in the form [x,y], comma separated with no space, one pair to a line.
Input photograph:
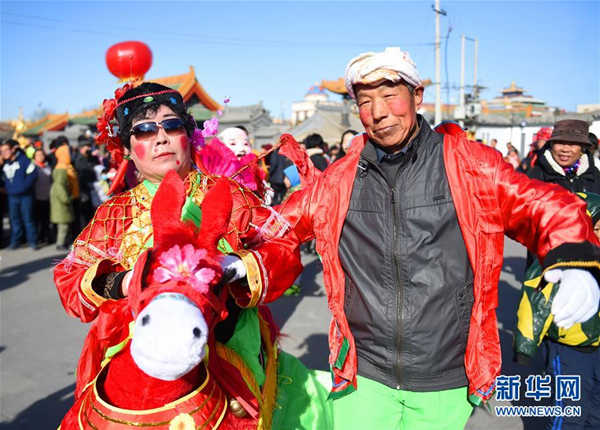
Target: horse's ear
[216,212]
[166,208]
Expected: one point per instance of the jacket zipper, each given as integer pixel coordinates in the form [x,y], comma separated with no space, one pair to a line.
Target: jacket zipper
[399,297]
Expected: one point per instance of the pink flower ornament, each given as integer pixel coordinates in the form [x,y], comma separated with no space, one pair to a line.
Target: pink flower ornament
[180,264]
[211,126]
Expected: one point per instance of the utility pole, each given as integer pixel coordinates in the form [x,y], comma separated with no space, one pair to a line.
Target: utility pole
[438,79]
[475,87]
[462,73]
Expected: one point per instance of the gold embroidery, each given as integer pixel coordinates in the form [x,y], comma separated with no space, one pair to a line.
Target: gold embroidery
[253,274]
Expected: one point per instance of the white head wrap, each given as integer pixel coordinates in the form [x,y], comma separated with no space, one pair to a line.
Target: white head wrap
[371,67]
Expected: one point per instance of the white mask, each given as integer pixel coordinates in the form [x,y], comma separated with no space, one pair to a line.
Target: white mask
[236,140]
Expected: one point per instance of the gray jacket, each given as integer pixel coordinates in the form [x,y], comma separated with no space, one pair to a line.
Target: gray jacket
[407,269]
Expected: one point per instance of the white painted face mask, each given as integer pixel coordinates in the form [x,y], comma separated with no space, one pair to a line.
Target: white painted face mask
[236,140]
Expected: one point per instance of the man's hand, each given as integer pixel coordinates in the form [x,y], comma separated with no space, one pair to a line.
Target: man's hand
[233,268]
[577,298]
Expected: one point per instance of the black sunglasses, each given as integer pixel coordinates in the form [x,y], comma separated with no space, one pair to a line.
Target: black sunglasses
[149,130]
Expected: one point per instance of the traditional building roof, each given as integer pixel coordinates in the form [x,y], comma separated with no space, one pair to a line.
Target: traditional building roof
[52,122]
[330,122]
[194,95]
[189,87]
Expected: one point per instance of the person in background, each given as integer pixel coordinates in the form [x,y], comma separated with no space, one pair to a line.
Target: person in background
[595,151]
[85,162]
[19,174]
[54,145]
[277,164]
[513,158]
[236,139]
[539,140]
[566,160]
[42,196]
[347,138]
[494,144]
[64,182]
[314,146]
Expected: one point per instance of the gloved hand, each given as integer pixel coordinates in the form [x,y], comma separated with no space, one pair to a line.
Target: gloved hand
[577,298]
[269,194]
[233,268]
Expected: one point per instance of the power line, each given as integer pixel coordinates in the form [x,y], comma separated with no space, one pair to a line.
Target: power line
[204,39]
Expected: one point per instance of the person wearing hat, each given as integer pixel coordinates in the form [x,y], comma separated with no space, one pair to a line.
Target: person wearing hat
[573,350]
[567,159]
[539,140]
[158,133]
[410,229]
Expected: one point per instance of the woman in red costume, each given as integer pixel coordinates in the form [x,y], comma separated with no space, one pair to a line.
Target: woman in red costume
[158,134]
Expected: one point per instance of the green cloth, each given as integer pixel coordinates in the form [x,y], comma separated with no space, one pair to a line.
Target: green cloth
[376,406]
[246,342]
[61,200]
[302,396]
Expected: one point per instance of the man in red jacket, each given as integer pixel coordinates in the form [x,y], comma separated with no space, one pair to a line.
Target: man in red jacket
[410,226]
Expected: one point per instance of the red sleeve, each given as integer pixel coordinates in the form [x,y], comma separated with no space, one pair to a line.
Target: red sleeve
[541,216]
[94,252]
[269,247]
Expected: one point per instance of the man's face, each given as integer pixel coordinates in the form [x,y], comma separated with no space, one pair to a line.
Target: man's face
[154,157]
[7,152]
[236,140]
[388,112]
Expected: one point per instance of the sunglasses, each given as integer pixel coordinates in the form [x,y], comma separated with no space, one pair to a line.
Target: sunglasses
[149,130]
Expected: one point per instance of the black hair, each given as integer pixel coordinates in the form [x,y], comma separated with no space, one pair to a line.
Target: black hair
[140,107]
[61,140]
[11,142]
[313,141]
[244,129]
[353,132]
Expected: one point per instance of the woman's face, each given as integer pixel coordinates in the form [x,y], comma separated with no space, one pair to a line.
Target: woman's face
[346,141]
[566,153]
[154,156]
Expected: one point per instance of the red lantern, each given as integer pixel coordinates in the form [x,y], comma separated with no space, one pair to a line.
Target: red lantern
[129,60]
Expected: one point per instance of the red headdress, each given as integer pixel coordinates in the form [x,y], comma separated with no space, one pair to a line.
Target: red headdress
[123,109]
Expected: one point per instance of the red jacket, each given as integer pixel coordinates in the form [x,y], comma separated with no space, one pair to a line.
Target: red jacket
[491,200]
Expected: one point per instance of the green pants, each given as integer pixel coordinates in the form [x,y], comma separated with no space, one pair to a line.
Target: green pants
[375,406]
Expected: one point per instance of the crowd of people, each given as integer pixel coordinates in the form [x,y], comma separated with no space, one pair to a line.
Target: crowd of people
[409,224]
[50,196]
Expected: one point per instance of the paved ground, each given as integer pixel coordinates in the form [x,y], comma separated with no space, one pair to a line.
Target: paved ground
[40,344]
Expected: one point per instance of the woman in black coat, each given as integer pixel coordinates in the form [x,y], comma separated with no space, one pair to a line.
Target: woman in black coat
[566,159]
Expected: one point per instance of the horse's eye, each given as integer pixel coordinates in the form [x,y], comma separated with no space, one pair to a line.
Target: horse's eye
[145,319]
[197,332]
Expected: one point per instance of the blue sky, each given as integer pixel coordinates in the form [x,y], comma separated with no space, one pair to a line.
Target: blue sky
[52,53]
